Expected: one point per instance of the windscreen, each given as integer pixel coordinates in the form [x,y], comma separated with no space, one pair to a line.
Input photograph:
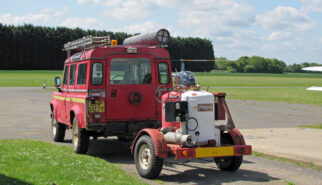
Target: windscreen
[130,71]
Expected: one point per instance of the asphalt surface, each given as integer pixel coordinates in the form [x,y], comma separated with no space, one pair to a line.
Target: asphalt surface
[24,113]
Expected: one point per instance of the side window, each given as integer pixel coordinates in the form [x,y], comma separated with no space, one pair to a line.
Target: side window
[81,77]
[97,74]
[163,70]
[66,75]
[72,75]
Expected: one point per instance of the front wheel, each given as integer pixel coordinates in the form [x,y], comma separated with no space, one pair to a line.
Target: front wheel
[58,129]
[80,139]
[147,163]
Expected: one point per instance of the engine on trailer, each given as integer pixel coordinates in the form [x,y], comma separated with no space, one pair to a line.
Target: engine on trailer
[188,116]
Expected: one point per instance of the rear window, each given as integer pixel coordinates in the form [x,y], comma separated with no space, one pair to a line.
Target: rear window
[97,74]
[72,74]
[130,71]
[81,78]
[66,75]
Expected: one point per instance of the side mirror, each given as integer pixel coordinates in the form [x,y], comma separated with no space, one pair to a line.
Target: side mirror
[57,82]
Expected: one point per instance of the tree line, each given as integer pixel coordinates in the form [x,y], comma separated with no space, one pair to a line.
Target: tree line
[254,64]
[29,47]
[257,64]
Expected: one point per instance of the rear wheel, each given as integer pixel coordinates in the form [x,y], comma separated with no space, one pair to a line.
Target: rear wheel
[80,139]
[147,163]
[228,163]
[58,129]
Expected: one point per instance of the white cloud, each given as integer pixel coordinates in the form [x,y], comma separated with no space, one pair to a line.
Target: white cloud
[219,13]
[285,18]
[279,36]
[45,17]
[87,23]
[29,18]
[312,5]
[95,2]
[149,26]
[223,21]
[125,9]
[55,12]
[142,28]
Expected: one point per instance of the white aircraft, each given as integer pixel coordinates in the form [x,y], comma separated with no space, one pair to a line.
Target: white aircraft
[315,68]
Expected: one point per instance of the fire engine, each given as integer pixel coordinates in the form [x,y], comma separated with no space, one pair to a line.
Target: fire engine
[127,91]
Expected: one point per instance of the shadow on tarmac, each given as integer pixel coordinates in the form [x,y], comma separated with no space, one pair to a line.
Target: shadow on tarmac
[196,172]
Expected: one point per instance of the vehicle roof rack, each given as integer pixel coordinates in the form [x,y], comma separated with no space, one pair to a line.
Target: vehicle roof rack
[86,43]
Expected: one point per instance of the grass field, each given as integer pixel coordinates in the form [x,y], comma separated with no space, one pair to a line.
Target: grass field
[32,78]
[288,87]
[36,162]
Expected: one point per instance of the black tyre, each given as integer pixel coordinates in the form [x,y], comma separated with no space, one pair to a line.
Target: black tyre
[80,139]
[147,163]
[228,163]
[58,129]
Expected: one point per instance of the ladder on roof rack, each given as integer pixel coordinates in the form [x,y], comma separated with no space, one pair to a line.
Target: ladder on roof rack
[86,43]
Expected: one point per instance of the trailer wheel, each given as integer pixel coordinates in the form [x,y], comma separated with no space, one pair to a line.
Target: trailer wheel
[228,163]
[147,163]
[58,129]
[80,139]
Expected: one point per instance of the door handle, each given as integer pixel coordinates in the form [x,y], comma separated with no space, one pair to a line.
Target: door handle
[113,93]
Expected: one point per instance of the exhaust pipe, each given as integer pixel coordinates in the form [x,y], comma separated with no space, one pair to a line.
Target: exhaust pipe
[178,138]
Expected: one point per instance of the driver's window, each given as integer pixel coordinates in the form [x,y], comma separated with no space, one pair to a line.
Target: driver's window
[163,70]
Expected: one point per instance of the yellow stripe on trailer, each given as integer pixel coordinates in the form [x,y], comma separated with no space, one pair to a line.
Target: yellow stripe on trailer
[214,151]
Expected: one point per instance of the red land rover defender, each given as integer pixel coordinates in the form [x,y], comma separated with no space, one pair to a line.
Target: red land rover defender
[127,91]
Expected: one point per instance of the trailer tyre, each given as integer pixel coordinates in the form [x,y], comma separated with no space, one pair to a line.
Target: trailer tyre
[58,129]
[80,139]
[228,163]
[147,163]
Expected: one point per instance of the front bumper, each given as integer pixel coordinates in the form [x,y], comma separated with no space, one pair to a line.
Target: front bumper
[206,152]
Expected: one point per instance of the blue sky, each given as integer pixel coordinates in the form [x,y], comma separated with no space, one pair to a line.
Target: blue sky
[290,30]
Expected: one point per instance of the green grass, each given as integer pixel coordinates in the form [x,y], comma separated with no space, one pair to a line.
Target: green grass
[37,162]
[24,78]
[315,126]
[225,79]
[288,95]
[289,183]
[288,87]
[281,159]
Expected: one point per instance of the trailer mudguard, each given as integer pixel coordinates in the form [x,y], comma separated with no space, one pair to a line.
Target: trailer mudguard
[237,137]
[160,145]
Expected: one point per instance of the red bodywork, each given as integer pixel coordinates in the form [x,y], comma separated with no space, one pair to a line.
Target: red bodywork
[73,100]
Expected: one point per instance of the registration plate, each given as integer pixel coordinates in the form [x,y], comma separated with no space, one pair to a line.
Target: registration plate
[96,106]
[214,152]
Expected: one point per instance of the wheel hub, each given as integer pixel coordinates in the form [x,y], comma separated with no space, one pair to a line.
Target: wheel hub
[54,125]
[75,136]
[145,157]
